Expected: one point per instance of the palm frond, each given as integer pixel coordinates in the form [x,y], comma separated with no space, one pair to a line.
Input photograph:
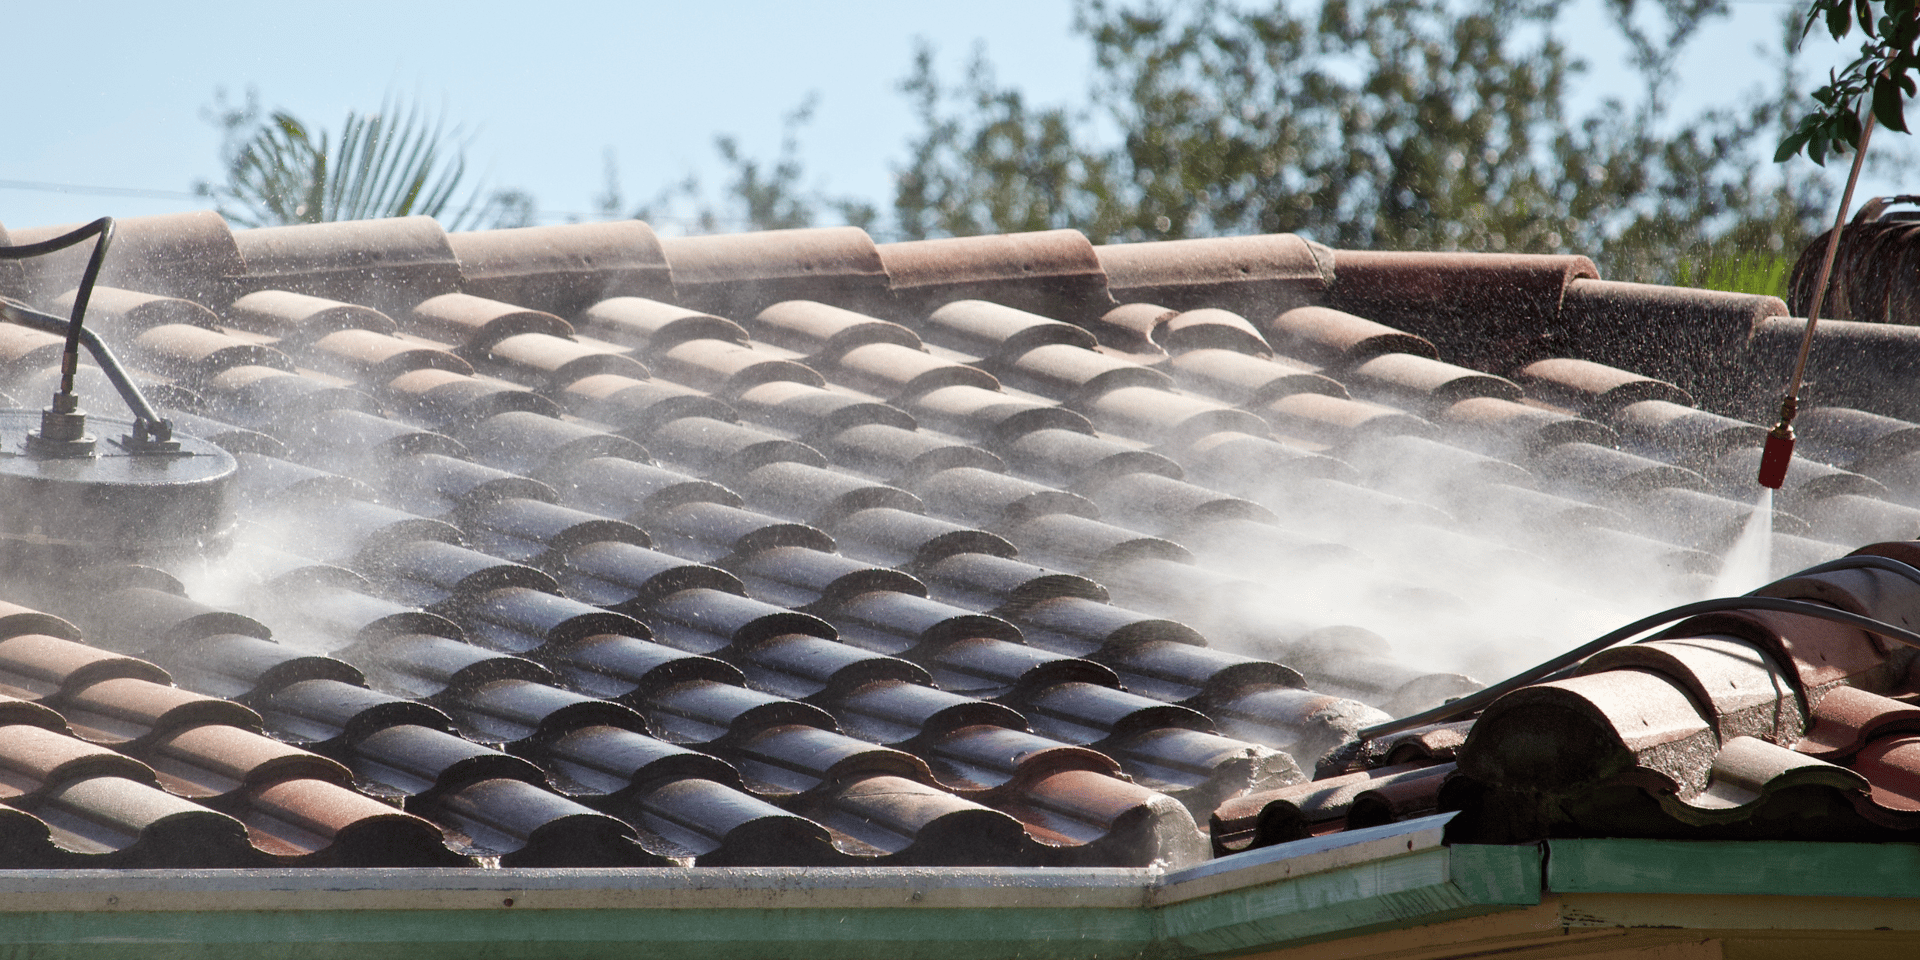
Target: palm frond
[397,162]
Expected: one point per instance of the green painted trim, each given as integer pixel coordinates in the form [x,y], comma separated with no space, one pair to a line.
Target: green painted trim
[1759,868]
[738,934]
[1310,892]
[1490,874]
[1315,890]
[1402,891]
[1427,887]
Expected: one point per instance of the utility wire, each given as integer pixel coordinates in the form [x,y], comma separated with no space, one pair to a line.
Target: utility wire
[544,216]
[539,216]
[42,185]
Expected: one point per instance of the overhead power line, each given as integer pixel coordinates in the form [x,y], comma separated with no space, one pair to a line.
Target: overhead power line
[541,216]
[97,191]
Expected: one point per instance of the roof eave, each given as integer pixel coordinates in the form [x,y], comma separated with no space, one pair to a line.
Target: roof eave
[1355,882]
[1358,887]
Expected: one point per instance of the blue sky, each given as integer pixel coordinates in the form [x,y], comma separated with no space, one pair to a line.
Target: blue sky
[109,94]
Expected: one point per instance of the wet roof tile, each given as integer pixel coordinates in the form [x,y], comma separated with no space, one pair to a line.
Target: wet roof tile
[299,316]
[1089,493]
[124,313]
[192,255]
[372,358]
[1241,378]
[652,327]
[1054,273]
[1211,328]
[985,414]
[384,264]
[1485,308]
[111,821]
[562,268]
[1694,339]
[194,353]
[1594,388]
[738,275]
[475,324]
[1256,276]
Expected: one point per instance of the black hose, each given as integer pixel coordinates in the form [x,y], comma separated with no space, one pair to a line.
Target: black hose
[148,424]
[1480,699]
[1858,562]
[102,228]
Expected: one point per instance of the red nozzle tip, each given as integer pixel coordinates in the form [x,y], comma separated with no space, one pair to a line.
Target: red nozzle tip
[1775,456]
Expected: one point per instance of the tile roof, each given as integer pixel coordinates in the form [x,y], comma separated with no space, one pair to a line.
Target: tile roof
[578,546]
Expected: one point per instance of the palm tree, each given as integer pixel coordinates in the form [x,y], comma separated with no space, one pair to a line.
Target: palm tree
[397,162]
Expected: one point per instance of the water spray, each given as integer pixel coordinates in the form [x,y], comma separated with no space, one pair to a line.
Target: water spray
[1567,664]
[1778,452]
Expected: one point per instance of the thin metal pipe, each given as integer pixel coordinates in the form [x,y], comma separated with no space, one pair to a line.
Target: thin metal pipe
[158,427]
[1791,402]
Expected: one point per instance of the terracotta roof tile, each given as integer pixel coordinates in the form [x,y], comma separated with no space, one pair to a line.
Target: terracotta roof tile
[988,415]
[1595,389]
[386,264]
[1211,328]
[1163,416]
[928,543]
[318,823]
[476,324]
[652,327]
[738,275]
[1481,308]
[300,317]
[713,825]
[1694,339]
[1259,276]
[370,358]
[1054,273]
[1622,719]
[563,268]
[985,582]
[192,255]
[124,313]
[110,821]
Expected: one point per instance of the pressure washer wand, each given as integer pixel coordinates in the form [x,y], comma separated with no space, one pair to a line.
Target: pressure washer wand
[1778,451]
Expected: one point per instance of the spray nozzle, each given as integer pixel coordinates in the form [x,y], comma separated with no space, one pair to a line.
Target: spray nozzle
[1778,451]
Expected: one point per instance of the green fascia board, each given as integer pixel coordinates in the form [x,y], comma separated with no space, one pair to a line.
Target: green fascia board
[733,934]
[1757,868]
[1386,889]
[1348,884]
[1351,883]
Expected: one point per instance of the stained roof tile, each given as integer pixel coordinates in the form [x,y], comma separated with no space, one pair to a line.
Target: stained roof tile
[385,264]
[192,255]
[1595,388]
[124,313]
[738,275]
[1054,273]
[562,268]
[502,558]
[1257,275]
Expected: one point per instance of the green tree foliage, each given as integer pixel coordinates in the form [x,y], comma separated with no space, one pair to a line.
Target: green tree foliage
[1726,266]
[397,162]
[1384,124]
[1882,75]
